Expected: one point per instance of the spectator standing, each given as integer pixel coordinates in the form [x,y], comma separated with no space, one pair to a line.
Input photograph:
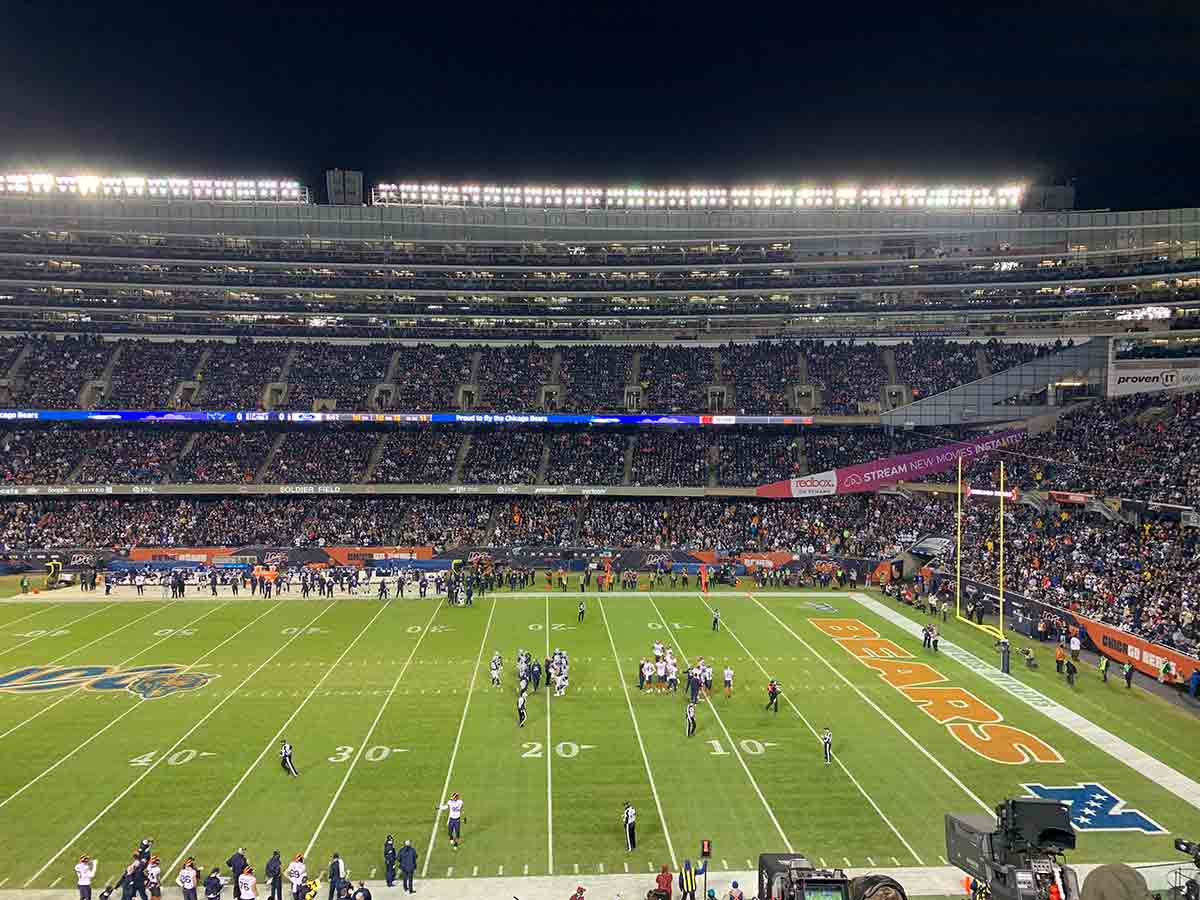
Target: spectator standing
[408,865]
[662,883]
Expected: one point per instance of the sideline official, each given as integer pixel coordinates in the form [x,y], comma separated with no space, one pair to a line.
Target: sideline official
[408,865]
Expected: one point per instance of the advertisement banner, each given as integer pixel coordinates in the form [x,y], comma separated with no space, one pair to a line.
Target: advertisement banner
[882,473]
[1126,380]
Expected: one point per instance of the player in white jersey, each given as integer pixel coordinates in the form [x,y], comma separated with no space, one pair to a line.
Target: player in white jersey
[188,879]
[154,877]
[728,681]
[660,675]
[672,676]
[658,650]
[827,745]
[247,885]
[85,871]
[647,674]
[560,684]
[297,875]
[521,708]
[454,806]
[285,759]
[494,668]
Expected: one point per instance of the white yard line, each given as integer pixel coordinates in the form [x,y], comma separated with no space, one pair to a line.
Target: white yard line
[817,737]
[549,756]
[120,628]
[276,737]
[638,732]
[732,743]
[365,742]
[36,612]
[111,723]
[117,799]
[50,630]
[1141,762]
[458,739]
[81,688]
[900,728]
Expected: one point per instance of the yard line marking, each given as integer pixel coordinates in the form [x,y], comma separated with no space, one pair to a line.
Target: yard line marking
[813,731]
[549,769]
[501,872]
[725,865]
[601,865]
[475,869]
[56,882]
[749,864]
[72,693]
[373,871]
[943,859]
[275,739]
[822,862]
[4,882]
[626,868]
[848,863]
[117,799]
[900,728]
[457,739]
[870,862]
[371,731]
[638,733]
[526,872]
[895,862]
[111,723]
[732,743]
[114,631]
[65,625]
[36,612]
[576,864]
[449,871]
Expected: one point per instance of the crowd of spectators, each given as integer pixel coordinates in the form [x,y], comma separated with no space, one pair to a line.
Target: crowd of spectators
[423,456]
[147,373]
[510,378]
[326,456]
[429,375]
[1161,348]
[130,456]
[832,448]
[751,458]
[674,379]
[235,375]
[10,349]
[225,457]
[1003,355]
[760,374]
[932,366]
[850,373]
[503,456]
[672,458]
[53,374]
[40,455]
[534,522]
[594,377]
[586,457]
[344,373]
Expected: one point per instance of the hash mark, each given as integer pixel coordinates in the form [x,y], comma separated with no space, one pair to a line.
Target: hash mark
[55,882]
[474,871]
[626,869]
[501,872]
[870,862]
[526,872]
[450,871]
[848,863]
[601,865]
[373,871]
[895,861]
[576,868]
[943,859]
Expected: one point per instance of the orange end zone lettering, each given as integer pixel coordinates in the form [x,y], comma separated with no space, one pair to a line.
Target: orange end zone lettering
[1005,744]
[905,674]
[951,704]
[845,628]
[869,648]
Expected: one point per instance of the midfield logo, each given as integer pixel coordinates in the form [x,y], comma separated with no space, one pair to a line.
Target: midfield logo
[1095,808]
[147,682]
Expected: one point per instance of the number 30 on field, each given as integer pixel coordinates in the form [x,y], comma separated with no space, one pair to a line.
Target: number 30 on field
[372,754]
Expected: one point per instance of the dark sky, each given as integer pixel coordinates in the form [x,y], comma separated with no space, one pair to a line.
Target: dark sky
[654,93]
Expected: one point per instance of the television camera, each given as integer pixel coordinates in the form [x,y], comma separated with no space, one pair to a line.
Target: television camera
[1015,856]
[1186,885]
[789,876]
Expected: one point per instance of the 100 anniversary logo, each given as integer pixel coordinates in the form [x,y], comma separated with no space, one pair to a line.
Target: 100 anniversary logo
[147,682]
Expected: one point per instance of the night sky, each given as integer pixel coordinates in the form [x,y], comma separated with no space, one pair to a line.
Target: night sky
[589,93]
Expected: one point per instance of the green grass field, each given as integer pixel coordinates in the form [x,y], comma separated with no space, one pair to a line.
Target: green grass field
[390,708]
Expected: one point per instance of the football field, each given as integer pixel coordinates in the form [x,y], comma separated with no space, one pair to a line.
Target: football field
[390,709]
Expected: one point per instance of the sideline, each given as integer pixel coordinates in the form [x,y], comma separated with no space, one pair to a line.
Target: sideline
[1141,762]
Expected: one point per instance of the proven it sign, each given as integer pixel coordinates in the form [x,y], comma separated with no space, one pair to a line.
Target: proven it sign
[1124,381]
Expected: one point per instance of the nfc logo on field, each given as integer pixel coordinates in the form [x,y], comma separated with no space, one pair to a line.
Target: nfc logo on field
[147,682]
[1095,808]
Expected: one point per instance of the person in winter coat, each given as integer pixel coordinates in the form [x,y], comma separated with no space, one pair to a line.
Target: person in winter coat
[408,865]
[237,863]
[274,874]
[389,860]
[212,885]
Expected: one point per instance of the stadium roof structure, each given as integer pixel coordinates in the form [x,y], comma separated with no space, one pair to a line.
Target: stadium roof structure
[764,196]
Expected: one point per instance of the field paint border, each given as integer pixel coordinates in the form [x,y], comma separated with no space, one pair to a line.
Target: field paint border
[458,737]
[270,743]
[371,731]
[732,743]
[95,612]
[638,731]
[549,757]
[813,731]
[115,719]
[1141,762]
[196,725]
[82,687]
[875,706]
